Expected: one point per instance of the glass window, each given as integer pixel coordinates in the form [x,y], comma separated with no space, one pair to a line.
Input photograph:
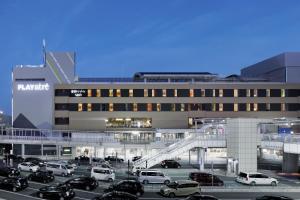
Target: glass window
[242,92]
[158,92]
[228,93]
[292,92]
[207,107]
[242,106]
[183,92]
[111,107]
[208,93]
[124,92]
[119,107]
[195,106]
[261,107]
[170,93]
[62,92]
[261,93]
[154,107]
[98,93]
[104,107]
[275,93]
[138,93]
[61,106]
[89,92]
[73,107]
[197,92]
[191,93]
[104,93]
[275,107]
[293,107]
[96,107]
[61,120]
[89,107]
[149,107]
[164,93]
[166,107]
[80,107]
[142,107]
[150,93]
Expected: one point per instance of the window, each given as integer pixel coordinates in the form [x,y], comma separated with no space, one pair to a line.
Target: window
[235,93]
[191,93]
[61,106]
[275,107]
[242,92]
[207,107]
[104,107]
[261,107]
[138,93]
[158,107]
[261,93]
[73,107]
[142,107]
[255,107]
[89,107]
[164,93]
[293,107]
[195,107]
[145,93]
[275,93]
[221,108]
[221,93]
[228,107]
[104,93]
[183,92]
[248,93]
[111,107]
[98,93]
[62,92]
[111,92]
[292,92]
[61,120]
[119,107]
[208,93]
[157,93]
[96,107]
[255,92]
[242,106]
[80,107]
[149,107]
[268,92]
[282,92]
[150,93]
[197,92]
[135,107]
[166,107]
[170,93]
[89,92]
[124,92]
[131,92]
[228,93]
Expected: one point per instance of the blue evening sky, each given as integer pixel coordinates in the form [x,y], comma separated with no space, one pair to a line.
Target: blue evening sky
[120,37]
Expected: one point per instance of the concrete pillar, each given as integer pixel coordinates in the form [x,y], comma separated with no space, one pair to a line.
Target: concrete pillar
[201,158]
[22,150]
[189,157]
[42,149]
[95,149]
[104,152]
[58,152]
[290,163]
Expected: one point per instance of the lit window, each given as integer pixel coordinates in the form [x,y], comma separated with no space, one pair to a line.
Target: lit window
[235,107]
[202,93]
[135,107]
[213,107]
[79,107]
[145,93]
[248,93]
[221,95]
[158,107]
[111,107]
[98,93]
[220,106]
[149,107]
[191,93]
[268,92]
[175,93]
[282,92]
[131,92]
[173,107]
[89,92]
[255,93]
[283,107]
[214,93]
[268,107]
[111,92]
[248,107]
[182,107]
[118,93]
[255,107]
[235,93]
[153,93]
[164,93]
[89,107]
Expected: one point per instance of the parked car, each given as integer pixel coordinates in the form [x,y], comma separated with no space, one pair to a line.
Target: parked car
[59,169]
[82,160]
[41,176]
[103,174]
[271,197]
[206,179]
[14,183]
[201,197]
[28,166]
[180,188]
[113,159]
[60,192]
[36,161]
[15,158]
[116,196]
[86,183]
[255,178]
[68,163]
[136,170]
[9,172]
[170,164]
[153,176]
[135,158]
[130,186]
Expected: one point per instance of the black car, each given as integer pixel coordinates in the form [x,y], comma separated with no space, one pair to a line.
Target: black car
[201,197]
[14,183]
[84,160]
[9,172]
[206,179]
[135,158]
[271,197]
[113,159]
[41,176]
[86,183]
[116,196]
[130,186]
[170,164]
[60,192]
[17,159]
[36,161]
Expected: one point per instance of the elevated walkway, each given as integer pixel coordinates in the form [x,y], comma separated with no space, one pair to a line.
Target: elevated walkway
[287,143]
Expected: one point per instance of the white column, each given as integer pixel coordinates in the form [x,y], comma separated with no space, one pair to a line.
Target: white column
[201,158]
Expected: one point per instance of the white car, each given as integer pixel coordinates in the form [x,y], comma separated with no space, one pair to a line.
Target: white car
[103,174]
[153,176]
[28,166]
[66,162]
[254,178]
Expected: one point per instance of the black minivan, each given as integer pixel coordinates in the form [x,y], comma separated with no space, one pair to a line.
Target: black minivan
[206,179]
[170,164]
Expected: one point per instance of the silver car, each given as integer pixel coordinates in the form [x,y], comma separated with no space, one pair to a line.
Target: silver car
[153,176]
[180,188]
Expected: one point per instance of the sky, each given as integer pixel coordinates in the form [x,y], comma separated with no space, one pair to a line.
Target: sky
[116,38]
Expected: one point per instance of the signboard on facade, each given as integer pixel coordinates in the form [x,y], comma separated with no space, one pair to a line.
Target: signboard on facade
[33,87]
[78,93]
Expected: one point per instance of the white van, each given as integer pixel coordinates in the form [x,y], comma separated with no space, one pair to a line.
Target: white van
[60,169]
[103,174]
[254,178]
[153,176]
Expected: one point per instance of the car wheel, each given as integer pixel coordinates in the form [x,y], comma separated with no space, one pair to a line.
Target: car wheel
[14,189]
[145,182]
[41,195]
[171,195]
[273,183]
[252,183]
[138,194]
[166,182]
[87,187]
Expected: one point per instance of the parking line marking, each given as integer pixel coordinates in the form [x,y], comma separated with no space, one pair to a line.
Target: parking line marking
[23,195]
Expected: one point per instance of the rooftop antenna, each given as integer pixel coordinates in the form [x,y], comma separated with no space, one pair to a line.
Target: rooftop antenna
[44,51]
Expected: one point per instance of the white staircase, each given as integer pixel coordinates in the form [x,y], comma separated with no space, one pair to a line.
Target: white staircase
[199,138]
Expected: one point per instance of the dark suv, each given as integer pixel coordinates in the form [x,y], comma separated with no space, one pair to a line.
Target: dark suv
[170,164]
[206,179]
[9,172]
[86,183]
[41,176]
[14,184]
[60,192]
[130,186]
[113,159]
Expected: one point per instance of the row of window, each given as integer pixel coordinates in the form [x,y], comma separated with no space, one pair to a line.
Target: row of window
[178,92]
[149,107]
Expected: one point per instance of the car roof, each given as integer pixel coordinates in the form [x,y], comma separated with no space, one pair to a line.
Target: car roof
[99,167]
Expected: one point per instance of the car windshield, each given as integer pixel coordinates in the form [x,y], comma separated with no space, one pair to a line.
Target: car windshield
[172,184]
[244,175]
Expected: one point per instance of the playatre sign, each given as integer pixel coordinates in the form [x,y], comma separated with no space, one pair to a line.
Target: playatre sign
[33,87]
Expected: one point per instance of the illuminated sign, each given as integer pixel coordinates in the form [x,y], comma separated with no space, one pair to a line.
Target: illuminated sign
[33,87]
[78,93]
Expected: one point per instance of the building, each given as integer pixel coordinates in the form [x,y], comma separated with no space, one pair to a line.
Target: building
[148,105]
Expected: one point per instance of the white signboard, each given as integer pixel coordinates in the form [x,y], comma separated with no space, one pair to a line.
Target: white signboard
[33,87]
